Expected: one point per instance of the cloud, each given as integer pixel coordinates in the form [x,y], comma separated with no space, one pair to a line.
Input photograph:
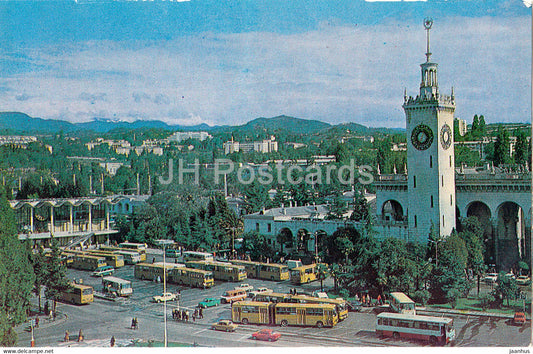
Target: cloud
[336,73]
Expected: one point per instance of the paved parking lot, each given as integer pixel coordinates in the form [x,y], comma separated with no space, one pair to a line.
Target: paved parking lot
[103,319]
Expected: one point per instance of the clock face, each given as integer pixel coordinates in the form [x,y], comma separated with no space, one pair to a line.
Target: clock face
[422,137]
[446,136]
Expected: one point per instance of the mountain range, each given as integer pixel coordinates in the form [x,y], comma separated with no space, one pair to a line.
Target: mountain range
[20,123]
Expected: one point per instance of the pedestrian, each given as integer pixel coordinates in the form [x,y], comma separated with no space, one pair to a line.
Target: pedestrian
[379,300]
[46,310]
[136,323]
[67,336]
[80,336]
[112,341]
[187,314]
[54,315]
[153,260]
[133,323]
[201,312]
[194,316]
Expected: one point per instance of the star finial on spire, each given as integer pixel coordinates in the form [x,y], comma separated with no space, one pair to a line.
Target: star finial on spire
[428,22]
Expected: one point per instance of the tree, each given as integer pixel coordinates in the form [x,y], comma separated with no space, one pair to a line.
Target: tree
[56,280]
[507,287]
[521,149]
[450,272]
[501,147]
[38,262]
[472,235]
[16,276]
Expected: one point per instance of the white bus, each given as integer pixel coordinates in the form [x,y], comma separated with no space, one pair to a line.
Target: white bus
[401,303]
[198,256]
[117,286]
[130,257]
[435,330]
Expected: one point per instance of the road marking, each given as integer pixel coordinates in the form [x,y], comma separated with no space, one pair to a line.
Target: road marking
[200,331]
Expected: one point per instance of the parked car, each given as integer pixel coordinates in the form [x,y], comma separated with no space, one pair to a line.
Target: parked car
[164,297]
[523,280]
[519,318]
[231,296]
[266,334]
[209,302]
[261,290]
[510,275]
[490,278]
[103,271]
[354,305]
[224,325]
[245,286]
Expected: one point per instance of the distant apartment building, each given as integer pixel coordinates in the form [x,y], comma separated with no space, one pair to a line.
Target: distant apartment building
[263,146]
[123,147]
[178,137]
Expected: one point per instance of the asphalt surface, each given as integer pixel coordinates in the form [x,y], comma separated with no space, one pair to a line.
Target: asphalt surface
[102,319]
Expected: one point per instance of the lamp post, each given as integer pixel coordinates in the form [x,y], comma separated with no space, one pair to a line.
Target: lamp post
[436,251]
[164,243]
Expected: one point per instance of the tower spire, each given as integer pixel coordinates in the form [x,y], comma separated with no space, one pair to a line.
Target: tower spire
[428,22]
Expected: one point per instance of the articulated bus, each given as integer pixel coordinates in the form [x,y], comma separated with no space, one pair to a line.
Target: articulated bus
[86,262]
[284,314]
[221,270]
[112,259]
[435,330]
[268,271]
[78,294]
[137,247]
[340,304]
[304,274]
[198,256]
[401,303]
[130,256]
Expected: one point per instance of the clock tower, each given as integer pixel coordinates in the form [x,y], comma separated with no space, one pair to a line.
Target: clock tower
[430,155]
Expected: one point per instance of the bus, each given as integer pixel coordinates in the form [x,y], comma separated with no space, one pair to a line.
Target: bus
[112,259]
[221,270]
[137,247]
[268,271]
[130,256]
[175,273]
[304,274]
[78,294]
[273,297]
[153,271]
[340,304]
[191,277]
[435,330]
[284,314]
[86,262]
[401,303]
[116,286]
[197,256]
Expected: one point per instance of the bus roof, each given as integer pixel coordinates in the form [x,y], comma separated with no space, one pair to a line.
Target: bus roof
[401,297]
[80,286]
[197,253]
[116,280]
[401,316]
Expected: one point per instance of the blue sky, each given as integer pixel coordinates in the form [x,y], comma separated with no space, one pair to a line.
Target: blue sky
[227,62]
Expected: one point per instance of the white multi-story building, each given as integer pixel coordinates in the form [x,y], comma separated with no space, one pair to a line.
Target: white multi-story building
[263,146]
[178,137]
